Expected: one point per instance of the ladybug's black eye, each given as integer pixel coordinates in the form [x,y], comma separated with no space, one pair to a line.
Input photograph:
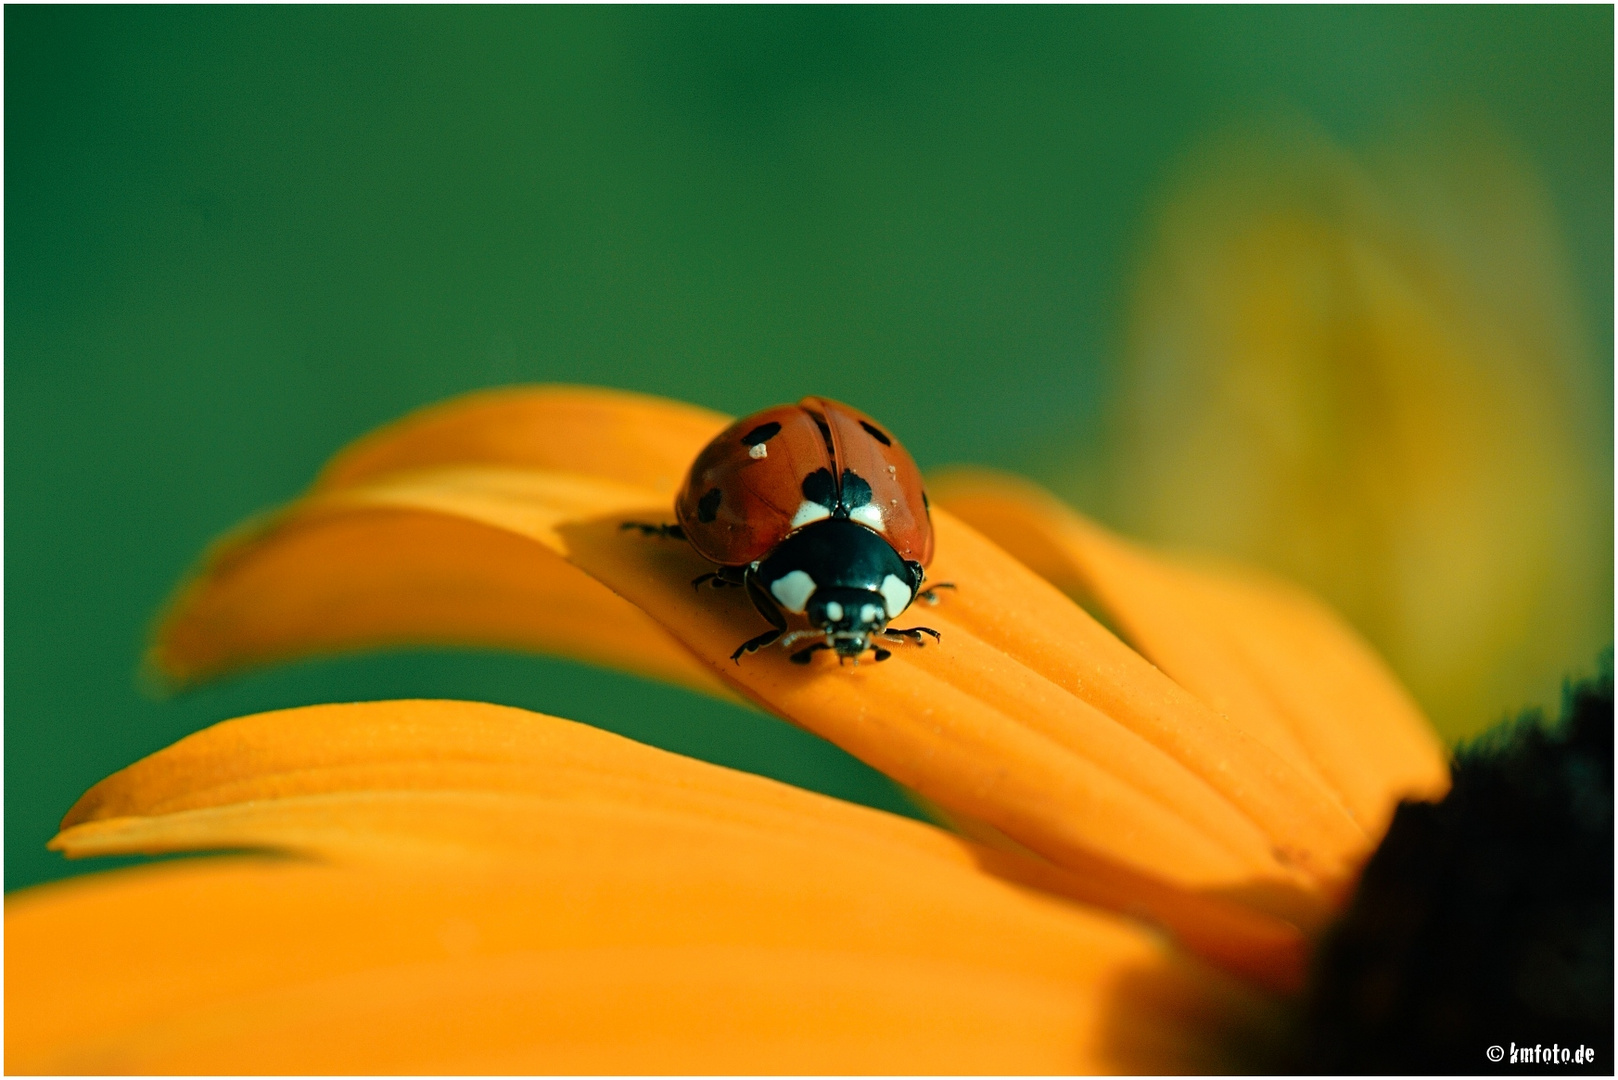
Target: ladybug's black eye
[708,506]
[762,433]
[876,433]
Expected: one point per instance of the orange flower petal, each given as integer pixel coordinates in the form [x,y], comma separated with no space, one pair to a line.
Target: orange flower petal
[337,574]
[221,968]
[316,582]
[1031,717]
[503,891]
[224,787]
[629,438]
[1054,744]
[1268,656]
[1307,827]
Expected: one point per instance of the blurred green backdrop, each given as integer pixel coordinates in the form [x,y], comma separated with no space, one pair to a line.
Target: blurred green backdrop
[238,237]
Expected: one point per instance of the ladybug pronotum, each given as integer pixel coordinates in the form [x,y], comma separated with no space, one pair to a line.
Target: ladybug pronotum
[819,514]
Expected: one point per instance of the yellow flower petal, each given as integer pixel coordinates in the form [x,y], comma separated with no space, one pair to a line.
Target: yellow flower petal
[1369,373]
[1266,655]
[503,891]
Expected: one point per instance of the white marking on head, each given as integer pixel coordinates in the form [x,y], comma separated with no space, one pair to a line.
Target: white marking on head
[896,594]
[869,515]
[809,511]
[834,610]
[870,613]
[794,590]
[758,450]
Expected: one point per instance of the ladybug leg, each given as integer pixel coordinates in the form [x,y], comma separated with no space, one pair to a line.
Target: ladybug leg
[766,607]
[929,595]
[912,634]
[802,656]
[672,532]
[752,645]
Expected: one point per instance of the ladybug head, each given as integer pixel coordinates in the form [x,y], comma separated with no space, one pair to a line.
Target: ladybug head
[849,617]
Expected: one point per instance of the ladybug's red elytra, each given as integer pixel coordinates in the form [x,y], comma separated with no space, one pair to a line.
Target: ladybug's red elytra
[818,512]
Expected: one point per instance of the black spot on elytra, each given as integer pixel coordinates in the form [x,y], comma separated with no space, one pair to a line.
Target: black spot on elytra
[708,506]
[819,487]
[856,492]
[825,434]
[876,433]
[762,433]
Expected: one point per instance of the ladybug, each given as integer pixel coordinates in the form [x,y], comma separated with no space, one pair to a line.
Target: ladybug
[818,513]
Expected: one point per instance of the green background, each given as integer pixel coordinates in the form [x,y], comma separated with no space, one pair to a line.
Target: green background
[237,238]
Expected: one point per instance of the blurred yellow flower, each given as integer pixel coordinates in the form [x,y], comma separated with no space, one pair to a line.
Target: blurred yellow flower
[1145,841]
[1369,375]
